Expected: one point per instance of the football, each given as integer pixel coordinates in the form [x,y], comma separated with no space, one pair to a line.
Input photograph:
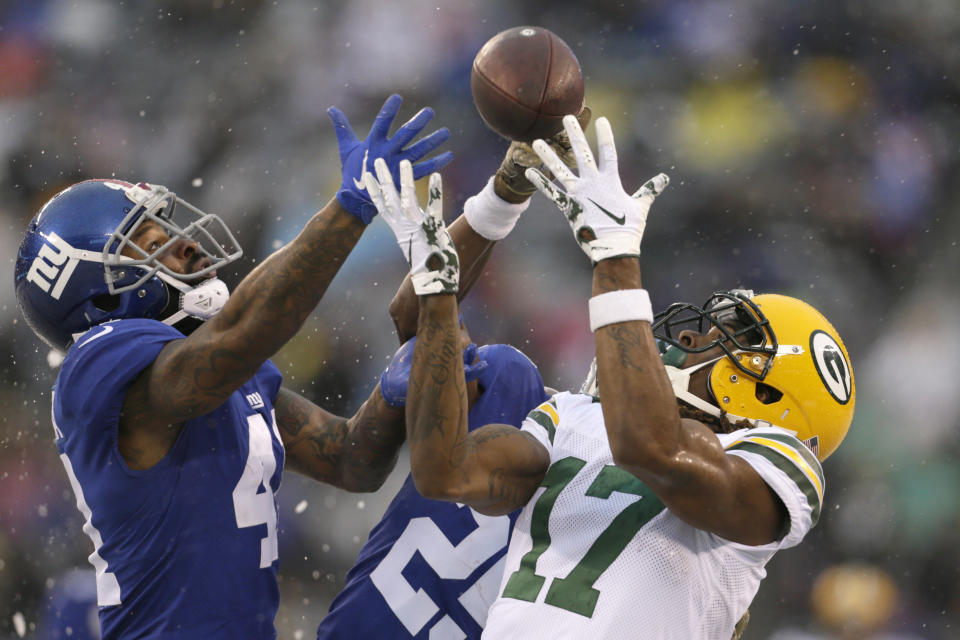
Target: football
[524,80]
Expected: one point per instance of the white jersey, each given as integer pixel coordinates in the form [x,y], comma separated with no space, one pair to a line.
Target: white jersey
[595,554]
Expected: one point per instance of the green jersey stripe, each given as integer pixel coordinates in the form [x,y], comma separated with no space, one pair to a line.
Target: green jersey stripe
[786,465]
[544,421]
[798,446]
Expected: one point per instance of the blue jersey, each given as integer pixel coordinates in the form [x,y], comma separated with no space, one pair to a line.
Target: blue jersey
[432,569]
[187,548]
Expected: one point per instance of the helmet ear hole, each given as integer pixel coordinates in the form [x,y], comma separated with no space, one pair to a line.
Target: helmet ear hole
[106,302]
[767,394]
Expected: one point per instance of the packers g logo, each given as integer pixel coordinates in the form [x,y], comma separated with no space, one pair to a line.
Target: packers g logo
[832,366]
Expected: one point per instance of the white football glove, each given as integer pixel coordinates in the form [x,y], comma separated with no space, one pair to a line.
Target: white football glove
[422,236]
[606,221]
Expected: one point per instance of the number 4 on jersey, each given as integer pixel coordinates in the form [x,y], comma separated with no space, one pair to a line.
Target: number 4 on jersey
[575,592]
[251,506]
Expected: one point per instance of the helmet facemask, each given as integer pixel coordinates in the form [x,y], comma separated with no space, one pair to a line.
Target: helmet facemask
[121,255]
[742,326]
[742,330]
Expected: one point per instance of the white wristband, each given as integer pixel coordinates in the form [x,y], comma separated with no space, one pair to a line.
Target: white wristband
[491,216]
[620,306]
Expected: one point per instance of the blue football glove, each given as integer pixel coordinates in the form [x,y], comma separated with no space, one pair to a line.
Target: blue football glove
[393,381]
[472,366]
[357,156]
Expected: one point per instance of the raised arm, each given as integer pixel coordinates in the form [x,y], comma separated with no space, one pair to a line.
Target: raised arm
[356,454]
[681,460]
[193,376]
[474,251]
[487,218]
[495,468]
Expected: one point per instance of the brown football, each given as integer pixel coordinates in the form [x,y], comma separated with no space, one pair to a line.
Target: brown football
[524,80]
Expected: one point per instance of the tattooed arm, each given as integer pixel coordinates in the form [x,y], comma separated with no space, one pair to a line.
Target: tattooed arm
[681,460]
[195,375]
[494,469]
[355,454]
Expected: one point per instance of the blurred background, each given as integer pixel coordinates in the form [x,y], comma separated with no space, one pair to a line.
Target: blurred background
[813,151]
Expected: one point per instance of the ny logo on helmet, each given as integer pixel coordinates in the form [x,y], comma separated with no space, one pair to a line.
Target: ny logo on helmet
[832,366]
[53,265]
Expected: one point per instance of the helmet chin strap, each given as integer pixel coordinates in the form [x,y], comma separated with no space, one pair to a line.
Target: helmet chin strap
[680,381]
[201,302]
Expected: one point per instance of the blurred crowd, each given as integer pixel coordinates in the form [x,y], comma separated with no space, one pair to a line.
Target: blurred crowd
[812,148]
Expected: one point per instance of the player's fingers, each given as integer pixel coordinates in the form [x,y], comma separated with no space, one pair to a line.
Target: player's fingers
[433,164]
[606,149]
[341,126]
[387,113]
[409,129]
[545,186]
[408,192]
[553,162]
[584,116]
[652,187]
[376,195]
[579,145]
[387,188]
[424,146]
[435,197]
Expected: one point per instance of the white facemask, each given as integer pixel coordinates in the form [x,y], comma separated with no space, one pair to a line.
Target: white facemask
[680,381]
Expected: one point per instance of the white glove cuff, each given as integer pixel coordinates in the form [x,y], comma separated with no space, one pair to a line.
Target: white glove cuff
[620,306]
[490,216]
[428,283]
[615,245]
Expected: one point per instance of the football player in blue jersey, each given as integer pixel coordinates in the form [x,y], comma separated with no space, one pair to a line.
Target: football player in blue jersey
[431,569]
[171,422]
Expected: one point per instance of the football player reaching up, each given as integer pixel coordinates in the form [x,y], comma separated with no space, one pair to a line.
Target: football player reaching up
[642,516]
[431,568]
[170,420]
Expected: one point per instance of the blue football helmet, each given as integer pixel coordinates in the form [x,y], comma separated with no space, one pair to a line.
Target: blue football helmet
[78,265]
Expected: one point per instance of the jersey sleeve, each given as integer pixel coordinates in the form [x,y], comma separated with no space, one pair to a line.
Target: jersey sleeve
[269,379]
[542,423]
[790,469]
[100,367]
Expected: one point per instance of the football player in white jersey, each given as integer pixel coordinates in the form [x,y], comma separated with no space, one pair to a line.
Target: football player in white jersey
[653,513]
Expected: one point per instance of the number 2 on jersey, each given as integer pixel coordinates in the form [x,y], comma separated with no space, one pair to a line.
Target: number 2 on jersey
[575,592]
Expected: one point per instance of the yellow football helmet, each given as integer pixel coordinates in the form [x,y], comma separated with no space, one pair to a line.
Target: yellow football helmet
[783,363]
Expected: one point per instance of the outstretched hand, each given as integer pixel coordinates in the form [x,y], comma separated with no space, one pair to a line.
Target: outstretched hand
[422,235]
[511,182]
[356,154]
[606,221]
